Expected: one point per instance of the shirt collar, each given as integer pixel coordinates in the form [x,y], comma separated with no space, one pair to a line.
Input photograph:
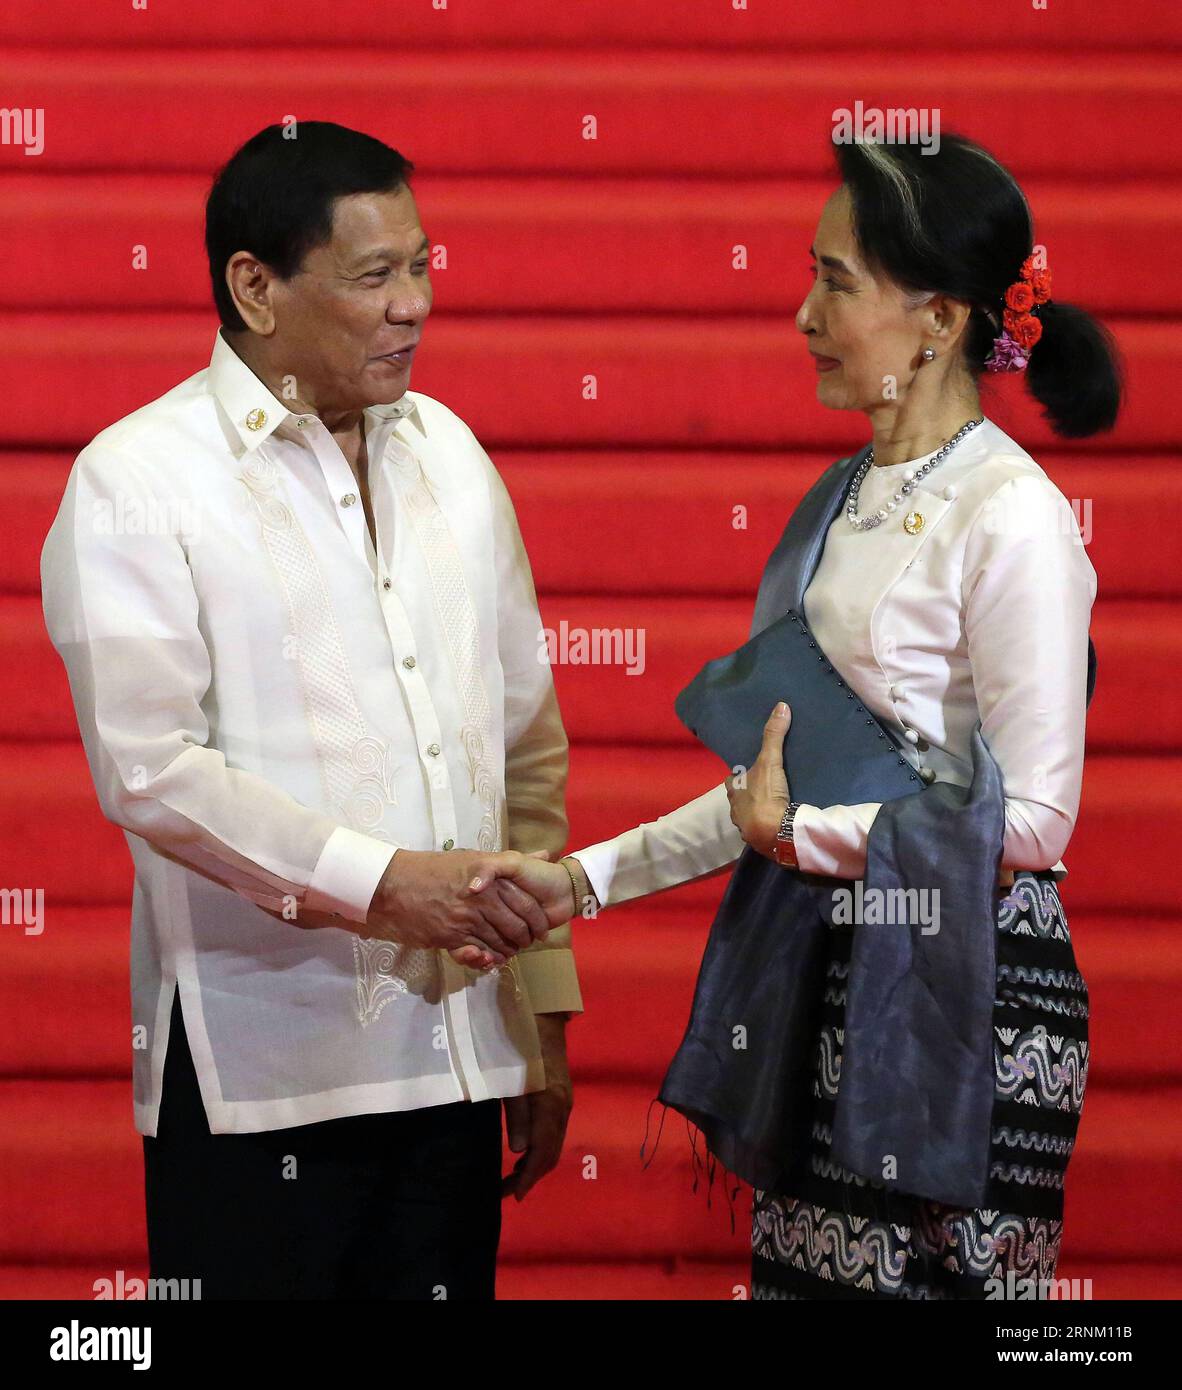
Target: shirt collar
[254,412]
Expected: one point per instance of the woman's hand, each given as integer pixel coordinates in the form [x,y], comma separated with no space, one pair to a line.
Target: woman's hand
[760,798]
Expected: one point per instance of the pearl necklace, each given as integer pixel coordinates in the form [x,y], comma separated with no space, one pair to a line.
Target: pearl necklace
[911,476]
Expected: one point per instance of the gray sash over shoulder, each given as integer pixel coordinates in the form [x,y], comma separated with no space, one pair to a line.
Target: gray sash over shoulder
[917,1069]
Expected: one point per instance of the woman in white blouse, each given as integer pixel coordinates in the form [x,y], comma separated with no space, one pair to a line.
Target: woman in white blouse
[964,596]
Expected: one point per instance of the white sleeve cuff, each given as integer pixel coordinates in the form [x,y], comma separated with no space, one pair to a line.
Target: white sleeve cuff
[807,856]
[598,862]
[831,840]
[347,874]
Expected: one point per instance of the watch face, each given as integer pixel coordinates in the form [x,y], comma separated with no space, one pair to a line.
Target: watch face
[785,852]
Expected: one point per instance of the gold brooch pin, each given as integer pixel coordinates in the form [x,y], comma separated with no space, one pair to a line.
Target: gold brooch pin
[913,523]
[256,419]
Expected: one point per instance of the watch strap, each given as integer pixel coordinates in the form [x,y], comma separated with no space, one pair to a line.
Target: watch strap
[784,847]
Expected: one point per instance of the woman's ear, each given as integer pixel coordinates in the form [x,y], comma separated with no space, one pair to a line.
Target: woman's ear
[948,318]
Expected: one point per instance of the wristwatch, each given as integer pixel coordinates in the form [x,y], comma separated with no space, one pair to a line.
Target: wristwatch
[783,848]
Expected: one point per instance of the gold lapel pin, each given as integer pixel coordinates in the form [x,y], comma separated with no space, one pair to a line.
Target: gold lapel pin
[913,523]
[256,419]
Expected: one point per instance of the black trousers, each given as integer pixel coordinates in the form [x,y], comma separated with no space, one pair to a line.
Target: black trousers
[404,1205]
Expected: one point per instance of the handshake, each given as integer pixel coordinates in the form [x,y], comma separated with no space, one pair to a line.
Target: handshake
[480,907]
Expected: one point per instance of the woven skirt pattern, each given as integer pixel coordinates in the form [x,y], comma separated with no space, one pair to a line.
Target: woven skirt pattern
[839,1235]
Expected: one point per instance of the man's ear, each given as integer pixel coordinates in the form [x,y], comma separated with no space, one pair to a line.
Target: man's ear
[249,283]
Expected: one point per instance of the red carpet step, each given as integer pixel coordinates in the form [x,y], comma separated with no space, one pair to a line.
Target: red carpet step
[596,245]
[678,537]
[606,1281]
[658,382]
[762,113]
[71,1181]
[664,641]
[476,23]
[51,804]
[637,965]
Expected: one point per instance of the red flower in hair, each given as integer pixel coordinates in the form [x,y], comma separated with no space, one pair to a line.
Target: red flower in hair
[1040,286]
[1011,319]
[1026,332]
[1020,297]
[1029,269]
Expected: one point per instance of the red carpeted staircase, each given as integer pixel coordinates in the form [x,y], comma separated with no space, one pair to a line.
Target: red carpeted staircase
[612,257]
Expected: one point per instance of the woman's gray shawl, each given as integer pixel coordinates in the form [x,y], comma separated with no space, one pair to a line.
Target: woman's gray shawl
[917,1062]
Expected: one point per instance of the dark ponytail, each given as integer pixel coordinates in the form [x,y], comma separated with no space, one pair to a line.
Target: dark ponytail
[1074,371]
[954,221]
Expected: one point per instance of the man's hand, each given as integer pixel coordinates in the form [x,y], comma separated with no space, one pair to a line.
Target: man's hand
[536,1123]
[758,807]
[427,899]
[549,885]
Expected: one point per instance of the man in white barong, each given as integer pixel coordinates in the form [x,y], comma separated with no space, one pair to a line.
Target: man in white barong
[302,639]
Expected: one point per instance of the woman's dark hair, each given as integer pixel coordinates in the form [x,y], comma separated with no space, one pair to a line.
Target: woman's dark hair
[956,222]
[274,197]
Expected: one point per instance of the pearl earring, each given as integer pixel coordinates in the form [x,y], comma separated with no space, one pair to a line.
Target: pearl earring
[928,354]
